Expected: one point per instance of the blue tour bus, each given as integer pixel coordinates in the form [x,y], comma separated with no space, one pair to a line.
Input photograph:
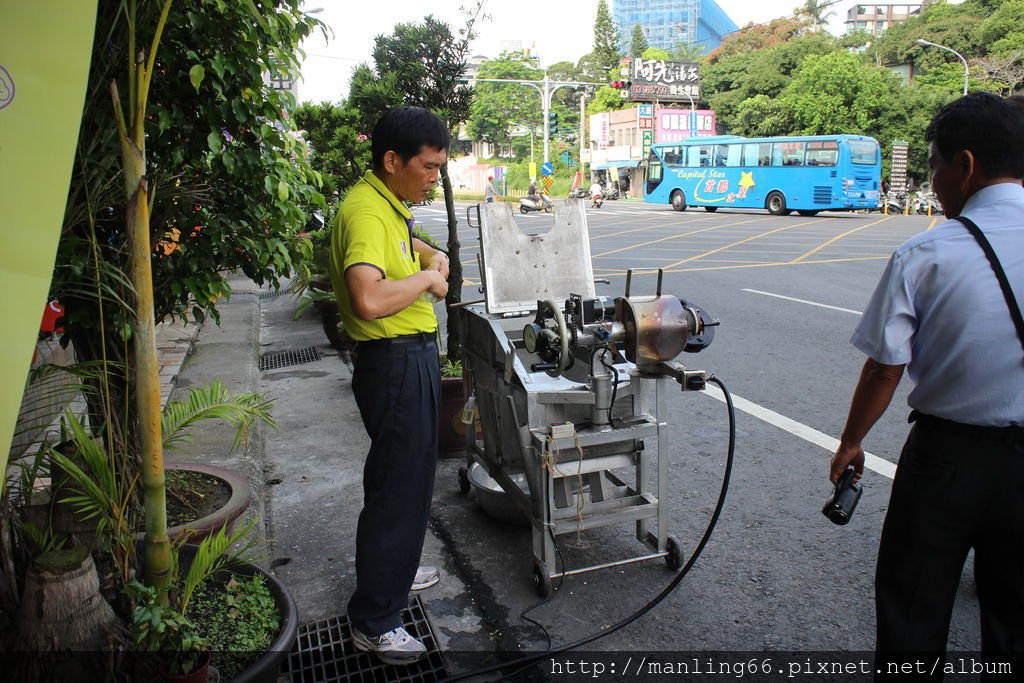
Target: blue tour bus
[807,174]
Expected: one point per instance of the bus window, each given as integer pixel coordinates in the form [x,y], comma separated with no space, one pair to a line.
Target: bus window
[734,157]
[673,156]
[789,153]
[719,156]
[697,155]
[822,153]
[864,152]
[757,154]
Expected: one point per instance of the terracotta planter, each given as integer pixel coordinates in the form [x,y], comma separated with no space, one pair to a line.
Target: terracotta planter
[241,496]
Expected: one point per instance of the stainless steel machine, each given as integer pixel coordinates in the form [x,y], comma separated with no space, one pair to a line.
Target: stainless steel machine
[571,387]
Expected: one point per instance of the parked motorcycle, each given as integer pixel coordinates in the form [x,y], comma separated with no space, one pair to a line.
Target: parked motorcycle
[895,202]
[578,193]
[926,202]
[611,192]
[539,202]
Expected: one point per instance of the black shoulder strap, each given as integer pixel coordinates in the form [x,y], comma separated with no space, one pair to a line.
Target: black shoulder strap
[990,253]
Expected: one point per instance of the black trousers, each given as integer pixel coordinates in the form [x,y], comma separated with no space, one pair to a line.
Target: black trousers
[957,487]
[398,390]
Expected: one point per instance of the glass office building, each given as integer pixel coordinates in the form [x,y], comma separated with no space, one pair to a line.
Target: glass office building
[670,23]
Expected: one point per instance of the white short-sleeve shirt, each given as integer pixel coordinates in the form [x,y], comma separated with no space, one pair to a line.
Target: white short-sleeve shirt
[939,309]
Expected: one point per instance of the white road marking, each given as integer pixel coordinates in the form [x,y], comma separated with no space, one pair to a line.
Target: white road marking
[830,444]
[803,301]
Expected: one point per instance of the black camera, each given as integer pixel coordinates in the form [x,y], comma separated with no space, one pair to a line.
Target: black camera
[840,505]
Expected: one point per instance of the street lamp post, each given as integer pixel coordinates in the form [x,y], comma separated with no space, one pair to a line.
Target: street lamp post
[546,88]
[967,73]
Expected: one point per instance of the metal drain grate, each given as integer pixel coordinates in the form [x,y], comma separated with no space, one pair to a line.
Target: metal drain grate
[323,653]
[271,293]
[284,359]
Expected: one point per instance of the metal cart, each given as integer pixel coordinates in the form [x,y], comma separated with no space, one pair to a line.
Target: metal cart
[571,388]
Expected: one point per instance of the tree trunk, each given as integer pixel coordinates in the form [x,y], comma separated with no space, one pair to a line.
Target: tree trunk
[61,606]
[454,270]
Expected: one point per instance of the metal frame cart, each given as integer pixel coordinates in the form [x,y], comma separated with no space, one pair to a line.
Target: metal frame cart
[571,388]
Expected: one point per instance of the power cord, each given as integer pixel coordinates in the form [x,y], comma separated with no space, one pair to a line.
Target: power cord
[554,592]
[521,662]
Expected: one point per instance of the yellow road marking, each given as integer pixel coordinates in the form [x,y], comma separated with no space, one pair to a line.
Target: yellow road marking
[743,241]
[800,258]
[768,264]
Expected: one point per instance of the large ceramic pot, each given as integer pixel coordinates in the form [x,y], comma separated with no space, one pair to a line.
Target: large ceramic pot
[266,669]
[240,497]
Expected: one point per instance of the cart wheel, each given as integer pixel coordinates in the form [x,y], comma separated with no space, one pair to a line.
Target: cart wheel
[464,480]
[674,559]
[541,578]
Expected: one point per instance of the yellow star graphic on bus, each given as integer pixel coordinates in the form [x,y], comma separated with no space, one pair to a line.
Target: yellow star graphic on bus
[747,179]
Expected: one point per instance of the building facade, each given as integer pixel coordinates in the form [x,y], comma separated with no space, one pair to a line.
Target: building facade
[620,140]
[668,24]
[876,18]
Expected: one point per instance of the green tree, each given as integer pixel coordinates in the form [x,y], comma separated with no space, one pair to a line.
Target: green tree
[754,37]
[734,77]
[655,53]
[427,63]
[340,147]
[837,93]
[638,42]
[1003,31]
[500,106]
[606,98]
[228,183]
[606,40]
[816,13]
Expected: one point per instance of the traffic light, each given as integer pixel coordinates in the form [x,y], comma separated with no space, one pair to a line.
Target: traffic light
[552,123]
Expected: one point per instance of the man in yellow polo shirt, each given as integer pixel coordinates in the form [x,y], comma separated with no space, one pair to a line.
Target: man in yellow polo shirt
[386,281]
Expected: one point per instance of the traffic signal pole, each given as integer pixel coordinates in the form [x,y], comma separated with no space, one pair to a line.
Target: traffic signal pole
[546,88]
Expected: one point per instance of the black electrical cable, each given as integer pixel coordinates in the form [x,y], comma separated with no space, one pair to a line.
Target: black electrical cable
[554,592]
[529,659]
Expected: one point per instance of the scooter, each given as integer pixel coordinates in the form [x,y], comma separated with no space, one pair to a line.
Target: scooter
[539,202]
[611,192]
[578,193]
[895,202]
[927,202]
[596,200]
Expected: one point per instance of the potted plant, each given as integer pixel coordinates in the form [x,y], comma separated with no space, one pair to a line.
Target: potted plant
[158,628]
[160,624]
[312,284]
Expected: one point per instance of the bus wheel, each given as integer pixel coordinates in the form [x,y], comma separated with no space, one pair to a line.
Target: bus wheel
[711,209]
[678,200]
[776,204]
[807,213]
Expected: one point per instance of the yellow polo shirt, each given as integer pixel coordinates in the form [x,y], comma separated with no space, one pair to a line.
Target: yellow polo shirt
[371,230]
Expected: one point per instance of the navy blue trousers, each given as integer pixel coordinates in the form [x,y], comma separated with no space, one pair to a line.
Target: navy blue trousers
[398,390]
[957,488]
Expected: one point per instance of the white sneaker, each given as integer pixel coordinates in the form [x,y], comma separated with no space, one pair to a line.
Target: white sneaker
[394,647]
[426,577]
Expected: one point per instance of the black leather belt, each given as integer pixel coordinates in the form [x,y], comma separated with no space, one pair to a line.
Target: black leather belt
[941,424]
[418,338]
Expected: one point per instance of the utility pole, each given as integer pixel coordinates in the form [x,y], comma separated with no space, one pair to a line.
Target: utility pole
[583,138]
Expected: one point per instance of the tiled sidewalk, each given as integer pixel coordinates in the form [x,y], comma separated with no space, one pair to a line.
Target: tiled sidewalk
[173,344]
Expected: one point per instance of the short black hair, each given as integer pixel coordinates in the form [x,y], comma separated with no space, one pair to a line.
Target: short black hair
[986,124]
[406,130]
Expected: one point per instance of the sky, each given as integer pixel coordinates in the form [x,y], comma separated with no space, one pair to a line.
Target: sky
[562,30]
